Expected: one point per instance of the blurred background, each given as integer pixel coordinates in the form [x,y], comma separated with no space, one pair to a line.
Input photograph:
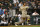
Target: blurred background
[9,11]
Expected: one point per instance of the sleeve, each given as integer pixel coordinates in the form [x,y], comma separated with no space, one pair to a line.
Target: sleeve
[27,6]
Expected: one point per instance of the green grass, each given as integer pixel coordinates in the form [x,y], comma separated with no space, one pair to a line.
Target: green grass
[22,26]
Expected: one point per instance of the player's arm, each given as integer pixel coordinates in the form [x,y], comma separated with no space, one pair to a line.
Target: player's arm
[27,6]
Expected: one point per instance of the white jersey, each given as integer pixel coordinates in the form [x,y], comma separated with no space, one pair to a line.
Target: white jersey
[23,9]
[19,18]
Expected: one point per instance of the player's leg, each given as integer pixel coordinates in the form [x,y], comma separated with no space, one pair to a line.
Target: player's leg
[21,22]
[28,19]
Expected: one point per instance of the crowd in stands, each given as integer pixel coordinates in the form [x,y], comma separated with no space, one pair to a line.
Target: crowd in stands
[6,7]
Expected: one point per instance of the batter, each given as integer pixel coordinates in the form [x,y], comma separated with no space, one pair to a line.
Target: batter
[23,9]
